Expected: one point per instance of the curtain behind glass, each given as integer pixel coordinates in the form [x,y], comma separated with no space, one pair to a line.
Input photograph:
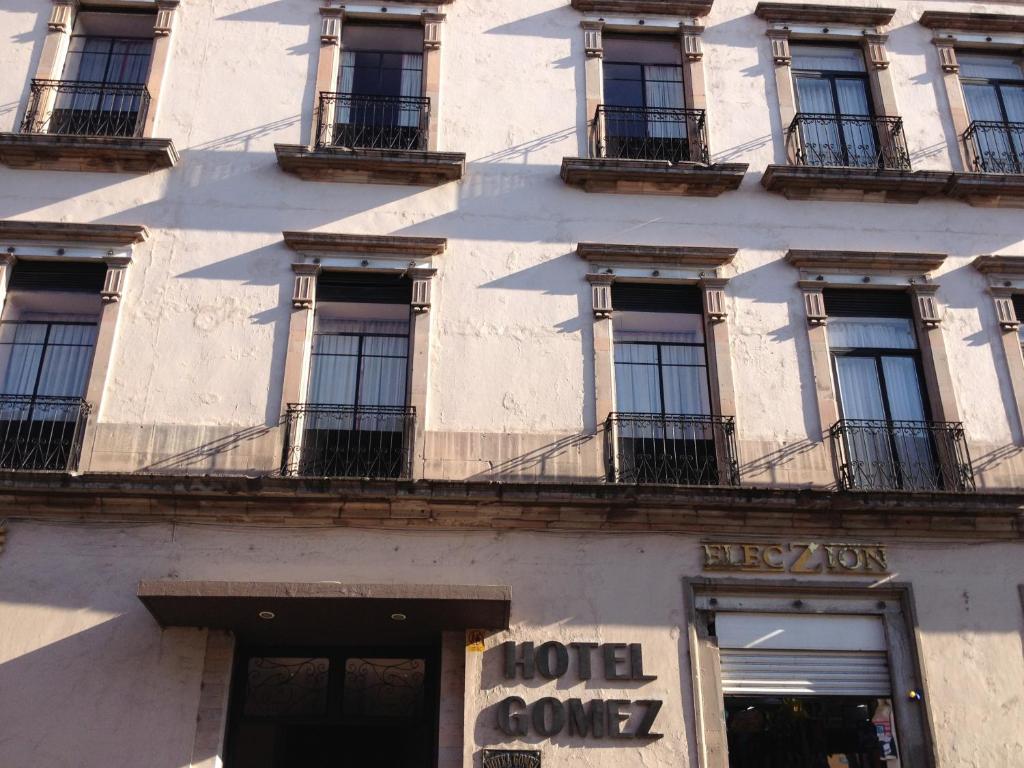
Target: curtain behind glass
[107,60]
[664,90]
[343,109]
[868,447]
[827,58]
[871,333]
[859,135]
[819,138]
[982,102]
[411,87]
[917,465]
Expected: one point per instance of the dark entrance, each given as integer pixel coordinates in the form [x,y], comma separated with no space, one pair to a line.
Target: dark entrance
[340,706]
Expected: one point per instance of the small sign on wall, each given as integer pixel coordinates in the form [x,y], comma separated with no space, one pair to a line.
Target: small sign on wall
[795,557]
[511,758]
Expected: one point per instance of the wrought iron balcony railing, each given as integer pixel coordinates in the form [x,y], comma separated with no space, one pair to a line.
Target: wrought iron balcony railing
[651,133]
[70,108]
[372,122]
[671,449]
[901,455]
[848,141]
[41,433]
[348,441]
[995,147]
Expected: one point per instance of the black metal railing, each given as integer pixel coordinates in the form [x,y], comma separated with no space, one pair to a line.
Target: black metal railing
[372,122]
[70,108]
[41,433]
[651,133]
[848,141]
[995,147]
[671,449]
[348,441]
[901,455]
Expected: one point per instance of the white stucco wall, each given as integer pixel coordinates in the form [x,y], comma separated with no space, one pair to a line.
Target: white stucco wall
[90,680]
[201,343]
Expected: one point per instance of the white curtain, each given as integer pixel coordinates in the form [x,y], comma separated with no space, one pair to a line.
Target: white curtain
[827,58]
[982,102]
[664,90]
[342,107]
[871,332]
[66,362]
[679,387]
[860,391]
[412,87]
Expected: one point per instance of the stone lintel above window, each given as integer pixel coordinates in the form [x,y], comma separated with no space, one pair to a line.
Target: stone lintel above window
[972,22]
[668,7]
[377,244]
[866,263]
[813,13]
[114,235]
[678,256]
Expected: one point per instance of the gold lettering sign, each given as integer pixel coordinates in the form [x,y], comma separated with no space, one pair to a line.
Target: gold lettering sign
[801,557]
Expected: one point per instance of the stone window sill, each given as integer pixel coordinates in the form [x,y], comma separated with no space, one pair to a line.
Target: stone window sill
[651,177]
[105,154]
[853,184]
[371,166]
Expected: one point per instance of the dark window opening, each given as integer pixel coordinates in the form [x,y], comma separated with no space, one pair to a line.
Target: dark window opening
[809,732]
[328,707]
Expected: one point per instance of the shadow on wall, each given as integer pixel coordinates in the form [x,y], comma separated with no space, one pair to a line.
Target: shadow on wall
[765,468]
[204,457]
[113,694]
[536,463]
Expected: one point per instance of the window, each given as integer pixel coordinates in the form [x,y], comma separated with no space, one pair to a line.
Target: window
[882,404]
[663,428]
[380,100]
[356,422]
[1018,309]
[805,691]
[644,101]
[994,91]
[333,706]
[45,360]
[834,106]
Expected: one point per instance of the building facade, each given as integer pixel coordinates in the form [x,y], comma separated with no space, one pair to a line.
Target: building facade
[511,384]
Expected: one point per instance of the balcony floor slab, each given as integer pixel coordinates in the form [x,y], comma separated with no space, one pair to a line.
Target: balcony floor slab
[867,185]
[651,177]
[104,154]
[371,166]
[988,190]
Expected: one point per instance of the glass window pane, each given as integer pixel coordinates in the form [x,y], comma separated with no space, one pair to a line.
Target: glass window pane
[636,353]
[982,102]
[384,688]
[989,67]
[335,344]
[814,96]
[637,388]
[860,392]
[871,333]
[286,687]
[332,379]
[903,389]
[686,390]
[385,346]
[826,58]
[382,381]
[679,355]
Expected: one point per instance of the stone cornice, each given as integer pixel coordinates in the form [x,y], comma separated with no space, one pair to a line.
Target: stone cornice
[330,242]
[668,255]
[669,7]
[824,14]
[1010,266]
[442,505]
[119,235]
[972,22]
[866,261]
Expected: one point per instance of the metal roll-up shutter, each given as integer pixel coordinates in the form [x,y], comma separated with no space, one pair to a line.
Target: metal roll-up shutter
[856,302]
[67,276]
[365,288]
[790,655]
[651,297]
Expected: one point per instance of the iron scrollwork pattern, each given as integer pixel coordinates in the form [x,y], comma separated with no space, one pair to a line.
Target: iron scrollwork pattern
[391,688]
[651,133]
[848,141]
[995,147]
[286,687]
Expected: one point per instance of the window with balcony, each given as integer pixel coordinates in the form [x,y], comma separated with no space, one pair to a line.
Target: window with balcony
[45,360]
[662,430]
[356,421]
[379,102]
[885,439]
[835,123]
[91,103]
[994,91]
[644,113]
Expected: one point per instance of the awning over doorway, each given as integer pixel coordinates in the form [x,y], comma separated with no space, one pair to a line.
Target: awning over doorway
[326,612]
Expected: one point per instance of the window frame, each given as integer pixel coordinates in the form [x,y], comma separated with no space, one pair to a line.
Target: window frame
[660,367]
[45,347]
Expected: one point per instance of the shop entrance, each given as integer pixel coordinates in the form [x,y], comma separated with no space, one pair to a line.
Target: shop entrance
[335,706]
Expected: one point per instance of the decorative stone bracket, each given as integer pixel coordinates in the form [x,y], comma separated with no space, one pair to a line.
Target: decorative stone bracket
[61,15]
[1006,313]
[421,282]
[113,280]
[593,44]
[432,24]
[780,46]
[164,17]
[926,305]
[304,291]
[814,303]
[330,25]
[714,298]
[601,294]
